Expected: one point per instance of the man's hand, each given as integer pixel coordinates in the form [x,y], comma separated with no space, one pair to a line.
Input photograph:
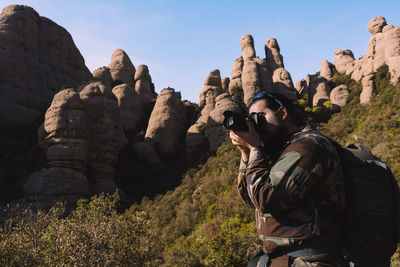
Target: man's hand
[246,140]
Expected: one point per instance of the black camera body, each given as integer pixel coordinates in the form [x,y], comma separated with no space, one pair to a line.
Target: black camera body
[237,122]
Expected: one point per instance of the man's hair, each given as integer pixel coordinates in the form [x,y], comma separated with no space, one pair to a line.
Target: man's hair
[275,100]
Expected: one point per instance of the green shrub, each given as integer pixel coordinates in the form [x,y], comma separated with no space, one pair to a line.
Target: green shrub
[93,235]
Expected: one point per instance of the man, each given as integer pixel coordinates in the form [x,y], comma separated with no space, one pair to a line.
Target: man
[291,175]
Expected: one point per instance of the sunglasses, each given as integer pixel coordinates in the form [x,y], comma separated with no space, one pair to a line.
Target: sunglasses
[265,94]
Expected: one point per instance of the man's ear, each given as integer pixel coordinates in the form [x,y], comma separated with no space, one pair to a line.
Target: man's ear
[283,113]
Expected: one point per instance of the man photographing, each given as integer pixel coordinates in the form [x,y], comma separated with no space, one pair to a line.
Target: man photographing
[292,176]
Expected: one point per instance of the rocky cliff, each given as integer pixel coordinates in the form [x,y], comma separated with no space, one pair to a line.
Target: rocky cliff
[37,59]
[383,49]
[253,74]
[86,126]
[110,128]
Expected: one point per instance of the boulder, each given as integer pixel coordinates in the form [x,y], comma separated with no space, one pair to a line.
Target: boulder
[339,95]
[165,130]
[38,58]
[102,109]
[64,135]
[392,50]
[103,75]
[143,84]
[326,70]
[215,129]
[250,80]
[211,83]
[283,83]
[121,67]
[368,85]
[343,60]
[301,87]
[210,105]
[361,67]
[236,74]
[376,25]
[322,93]
[250,76]
[247,44]
[264,74]
[66,132]
[383,48]
[272,54]
[196,142]
[376,50]
[142,73]
[130,106]
[225,85]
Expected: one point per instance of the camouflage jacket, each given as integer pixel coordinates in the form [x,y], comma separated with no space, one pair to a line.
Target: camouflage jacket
[298,196]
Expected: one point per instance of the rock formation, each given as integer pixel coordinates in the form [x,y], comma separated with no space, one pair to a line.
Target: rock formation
[250,76]
[215,129]
[85,128]
[383,48]
[343,60]
[66,140]
[38,58]
[392,50]
[317,89]
[301,87]
[130,106]
[326,70]
[254,74]
[339,95]
[225,84]
[236,74]
[208,133]
[368,85]
[196,141]
[166,127]
[102,111]
[321,95]
[273,55]
[211,83]
[376,25]
[282,81]
[143,85]
[121,67]
[103,74]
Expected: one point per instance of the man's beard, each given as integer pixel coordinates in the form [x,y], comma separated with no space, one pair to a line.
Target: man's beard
[274,140]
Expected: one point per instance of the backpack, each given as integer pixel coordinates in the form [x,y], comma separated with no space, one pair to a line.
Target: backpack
[372,212]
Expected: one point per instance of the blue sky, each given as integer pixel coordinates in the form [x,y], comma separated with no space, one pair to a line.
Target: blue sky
[182,41]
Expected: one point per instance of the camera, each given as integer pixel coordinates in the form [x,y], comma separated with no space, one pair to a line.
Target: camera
[237,122]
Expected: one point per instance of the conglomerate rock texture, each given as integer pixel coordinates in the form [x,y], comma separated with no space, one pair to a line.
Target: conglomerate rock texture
[84,129]
[117,108]
[253,74]
[166,127]
[212,83]
[66,136]
[37,59]
[383,48]
[121,67]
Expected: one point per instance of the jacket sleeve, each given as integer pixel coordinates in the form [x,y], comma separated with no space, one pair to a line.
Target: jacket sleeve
[242,185]
[301,166]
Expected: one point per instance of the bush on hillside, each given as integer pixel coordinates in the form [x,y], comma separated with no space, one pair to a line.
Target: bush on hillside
[93,235]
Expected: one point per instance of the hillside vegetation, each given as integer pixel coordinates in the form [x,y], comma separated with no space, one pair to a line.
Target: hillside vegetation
[203,221]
